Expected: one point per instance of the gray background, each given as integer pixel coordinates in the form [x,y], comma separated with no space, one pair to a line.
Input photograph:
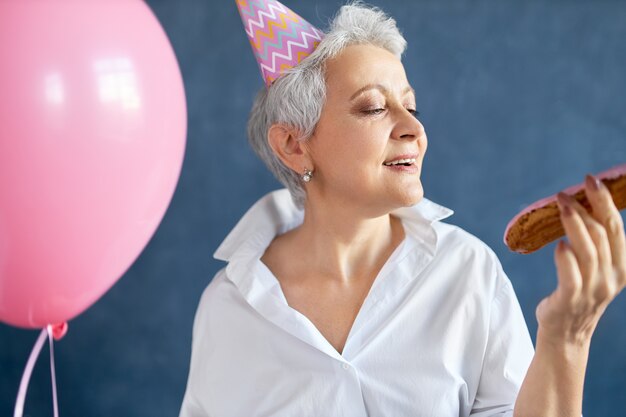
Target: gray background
[520,99]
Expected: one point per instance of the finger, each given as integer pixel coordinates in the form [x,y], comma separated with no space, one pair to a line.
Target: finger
[605,212]
[570,281]
[598,235]
[579,238]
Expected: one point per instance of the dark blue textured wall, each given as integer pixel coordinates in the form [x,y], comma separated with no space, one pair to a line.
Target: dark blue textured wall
[520,99]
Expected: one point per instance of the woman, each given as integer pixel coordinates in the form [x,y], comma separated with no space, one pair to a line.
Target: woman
[346,295]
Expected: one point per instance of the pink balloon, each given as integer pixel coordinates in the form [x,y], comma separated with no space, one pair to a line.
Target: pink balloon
[92,137]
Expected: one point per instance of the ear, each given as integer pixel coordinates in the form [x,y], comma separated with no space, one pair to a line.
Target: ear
[282,140]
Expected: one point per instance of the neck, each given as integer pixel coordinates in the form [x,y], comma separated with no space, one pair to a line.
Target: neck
[343,245]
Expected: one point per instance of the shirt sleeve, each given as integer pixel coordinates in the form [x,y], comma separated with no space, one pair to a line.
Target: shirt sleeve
[508,353]
[190,408]
[191,405]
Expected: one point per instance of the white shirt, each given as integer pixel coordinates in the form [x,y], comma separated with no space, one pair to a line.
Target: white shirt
[440,334]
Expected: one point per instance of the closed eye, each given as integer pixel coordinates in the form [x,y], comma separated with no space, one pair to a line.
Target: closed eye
[413,112]
[373,111]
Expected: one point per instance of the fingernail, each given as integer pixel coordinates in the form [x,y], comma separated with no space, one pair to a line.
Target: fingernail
[567,210]
[565,205]
[592,182]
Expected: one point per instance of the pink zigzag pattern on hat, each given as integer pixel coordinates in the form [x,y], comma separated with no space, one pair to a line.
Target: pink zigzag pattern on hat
[271,7]
[292,47]
[269,26]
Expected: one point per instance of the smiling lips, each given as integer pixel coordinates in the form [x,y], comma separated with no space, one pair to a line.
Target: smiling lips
[402,160]
[404,165]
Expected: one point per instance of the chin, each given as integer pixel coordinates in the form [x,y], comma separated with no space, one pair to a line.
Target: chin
[410,197]
[414,201]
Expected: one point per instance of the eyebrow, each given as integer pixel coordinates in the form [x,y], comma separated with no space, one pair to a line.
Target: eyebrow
[381,88]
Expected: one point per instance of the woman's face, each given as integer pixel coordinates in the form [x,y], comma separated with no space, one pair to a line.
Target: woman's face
[366,121]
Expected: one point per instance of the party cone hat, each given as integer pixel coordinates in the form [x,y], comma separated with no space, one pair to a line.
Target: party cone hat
[280,38]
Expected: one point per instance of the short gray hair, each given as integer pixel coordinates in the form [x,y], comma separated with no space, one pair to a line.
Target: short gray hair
[296,98]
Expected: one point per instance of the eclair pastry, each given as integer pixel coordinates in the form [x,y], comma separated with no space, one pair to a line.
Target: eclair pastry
[540,223]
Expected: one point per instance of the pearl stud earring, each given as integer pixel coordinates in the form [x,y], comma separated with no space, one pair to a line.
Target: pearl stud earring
[306,177]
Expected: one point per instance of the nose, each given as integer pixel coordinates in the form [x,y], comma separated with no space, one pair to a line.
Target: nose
[407,126]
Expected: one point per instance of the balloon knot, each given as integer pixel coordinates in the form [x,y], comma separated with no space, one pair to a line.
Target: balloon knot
[58,330]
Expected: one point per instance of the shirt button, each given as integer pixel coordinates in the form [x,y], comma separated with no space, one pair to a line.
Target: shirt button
[345,366]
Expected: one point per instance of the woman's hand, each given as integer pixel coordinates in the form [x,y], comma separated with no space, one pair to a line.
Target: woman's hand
[591,268]
[591,272]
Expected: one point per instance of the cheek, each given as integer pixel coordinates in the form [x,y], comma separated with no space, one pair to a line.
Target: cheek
[349,148]
[353,147]
[367,154]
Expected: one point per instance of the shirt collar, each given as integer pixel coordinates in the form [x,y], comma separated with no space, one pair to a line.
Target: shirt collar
[275,213]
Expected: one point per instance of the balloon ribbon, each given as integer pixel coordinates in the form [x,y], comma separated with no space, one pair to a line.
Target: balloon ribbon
[51,332]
